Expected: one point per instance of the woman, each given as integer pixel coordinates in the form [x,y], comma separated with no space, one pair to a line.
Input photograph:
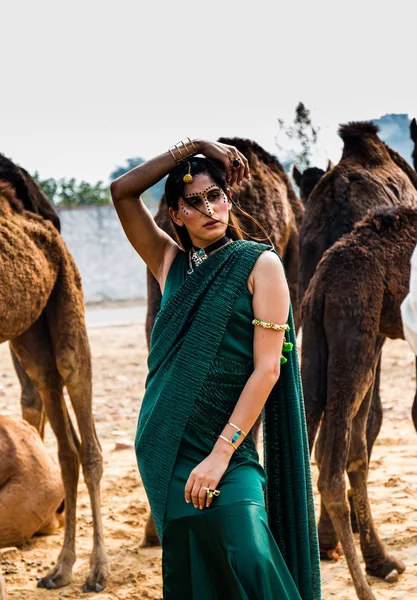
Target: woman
[215,359]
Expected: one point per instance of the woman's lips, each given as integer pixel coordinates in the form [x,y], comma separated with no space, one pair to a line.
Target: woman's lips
[212,224]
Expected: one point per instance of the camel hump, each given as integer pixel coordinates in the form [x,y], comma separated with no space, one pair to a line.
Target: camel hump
[29,194]
[357,130]
[250,148]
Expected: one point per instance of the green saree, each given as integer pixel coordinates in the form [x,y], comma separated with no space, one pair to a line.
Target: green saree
[238,548]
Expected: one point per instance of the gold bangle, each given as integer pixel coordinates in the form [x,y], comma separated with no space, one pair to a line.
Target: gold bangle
[193,145]
[181,147]
[228,441]
[173,156]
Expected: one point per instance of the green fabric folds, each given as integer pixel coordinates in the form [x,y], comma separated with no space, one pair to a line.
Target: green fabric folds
[184,344]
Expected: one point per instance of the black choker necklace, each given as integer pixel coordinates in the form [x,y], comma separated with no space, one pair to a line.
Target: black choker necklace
[199,255]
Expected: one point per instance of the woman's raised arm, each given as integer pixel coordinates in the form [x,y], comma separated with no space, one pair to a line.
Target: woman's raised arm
[149,241]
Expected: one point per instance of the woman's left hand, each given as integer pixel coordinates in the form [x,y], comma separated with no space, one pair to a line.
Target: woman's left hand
[207,474]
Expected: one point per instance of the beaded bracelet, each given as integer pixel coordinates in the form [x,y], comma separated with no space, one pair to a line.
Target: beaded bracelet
[268,325]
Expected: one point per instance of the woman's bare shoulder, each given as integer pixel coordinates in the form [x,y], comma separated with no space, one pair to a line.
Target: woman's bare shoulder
[268,265]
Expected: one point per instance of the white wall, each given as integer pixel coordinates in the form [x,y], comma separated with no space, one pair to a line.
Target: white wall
[109,267]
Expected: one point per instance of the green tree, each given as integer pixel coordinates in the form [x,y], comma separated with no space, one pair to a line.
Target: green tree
[302,132]
[154,193]
[69,192]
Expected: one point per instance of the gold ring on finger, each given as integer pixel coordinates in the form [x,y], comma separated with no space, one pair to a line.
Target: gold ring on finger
[211,493]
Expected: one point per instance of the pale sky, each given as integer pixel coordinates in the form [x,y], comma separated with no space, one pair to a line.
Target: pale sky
[86,84]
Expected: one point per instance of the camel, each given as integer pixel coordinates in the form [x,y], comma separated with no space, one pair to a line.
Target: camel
[42,316]
[369,175]
[413,135]
[270,198]
[31,490]
[352,304]
[308,179]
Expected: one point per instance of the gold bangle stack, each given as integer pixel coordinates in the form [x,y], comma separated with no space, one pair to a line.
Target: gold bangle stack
[183,152]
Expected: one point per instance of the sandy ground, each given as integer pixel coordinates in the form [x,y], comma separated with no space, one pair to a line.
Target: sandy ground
[119,355]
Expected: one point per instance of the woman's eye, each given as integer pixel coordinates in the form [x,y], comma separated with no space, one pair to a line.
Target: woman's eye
[193,201]
[214,195]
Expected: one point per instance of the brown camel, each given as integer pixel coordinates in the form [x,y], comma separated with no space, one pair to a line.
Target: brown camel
[308,179]
[369,175]
[31,490]
[352,304]
[34,200]
[270,198]
[42,315]
[413,135]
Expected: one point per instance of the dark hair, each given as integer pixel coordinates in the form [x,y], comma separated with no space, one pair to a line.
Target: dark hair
[174,189]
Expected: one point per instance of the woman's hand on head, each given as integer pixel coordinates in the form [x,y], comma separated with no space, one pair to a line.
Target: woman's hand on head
[225,154]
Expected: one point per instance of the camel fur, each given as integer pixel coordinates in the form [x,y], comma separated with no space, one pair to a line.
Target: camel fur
[31,490]
[369,175]
[42,316]
[308,179]
[352,304]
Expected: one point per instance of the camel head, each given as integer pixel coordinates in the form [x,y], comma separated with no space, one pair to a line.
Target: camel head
[413,135]
[308,179]
[24,193]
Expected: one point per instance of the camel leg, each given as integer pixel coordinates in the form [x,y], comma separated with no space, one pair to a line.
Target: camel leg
[378,563]
[330,548]
[34,352]
[314,376]
[73,360]
[373,427]
[374,422]
[151,537]
[348,383]
[30,400]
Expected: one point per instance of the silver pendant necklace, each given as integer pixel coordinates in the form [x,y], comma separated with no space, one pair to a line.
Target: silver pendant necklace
[199,255]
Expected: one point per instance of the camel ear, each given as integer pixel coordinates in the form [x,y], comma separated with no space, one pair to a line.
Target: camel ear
[297,175]
[413,130]
[330,166]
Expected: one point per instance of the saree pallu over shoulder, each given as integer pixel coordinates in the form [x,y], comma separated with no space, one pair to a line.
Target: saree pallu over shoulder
[182,362]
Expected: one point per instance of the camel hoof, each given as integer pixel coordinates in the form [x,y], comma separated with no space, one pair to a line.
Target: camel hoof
[388,570]
[46,583]
[95,588]
[333,554]
[392,577]
[149,542]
